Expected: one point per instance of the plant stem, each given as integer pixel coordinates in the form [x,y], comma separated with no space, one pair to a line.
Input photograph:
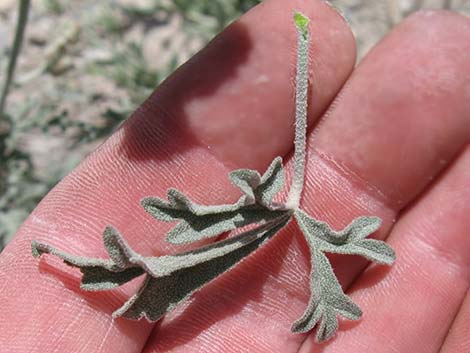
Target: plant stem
[23,9]
[301,91]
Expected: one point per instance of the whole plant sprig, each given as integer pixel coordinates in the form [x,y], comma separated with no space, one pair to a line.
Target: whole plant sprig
[169,280]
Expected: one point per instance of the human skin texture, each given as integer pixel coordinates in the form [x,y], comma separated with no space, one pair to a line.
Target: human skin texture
[389,138]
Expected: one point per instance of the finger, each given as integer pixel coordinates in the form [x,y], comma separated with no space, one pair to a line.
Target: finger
[411,307]
[162,145]
[458,338]
[236,95]
[338,188]
[412,98]
[401,119]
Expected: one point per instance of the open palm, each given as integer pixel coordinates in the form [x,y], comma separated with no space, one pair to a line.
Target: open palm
[393,143]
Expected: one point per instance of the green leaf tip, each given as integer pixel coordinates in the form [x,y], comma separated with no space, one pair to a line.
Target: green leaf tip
[301,21]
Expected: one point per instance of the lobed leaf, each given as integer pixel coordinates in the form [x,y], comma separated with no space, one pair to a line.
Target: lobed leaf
[351,240]
[196,222]
[327,299]
[159,295]
[170,279]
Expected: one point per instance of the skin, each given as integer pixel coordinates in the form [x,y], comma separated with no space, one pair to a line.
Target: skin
[394,142]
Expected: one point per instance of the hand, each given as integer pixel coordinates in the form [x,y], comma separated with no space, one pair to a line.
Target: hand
[393,144]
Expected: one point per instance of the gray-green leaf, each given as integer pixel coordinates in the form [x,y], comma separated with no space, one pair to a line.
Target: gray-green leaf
[327,299]
[196,222]
[170,279]
[351,240]
[159,295]
[326,302]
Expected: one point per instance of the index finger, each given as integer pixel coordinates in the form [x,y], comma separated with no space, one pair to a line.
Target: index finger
[231,105]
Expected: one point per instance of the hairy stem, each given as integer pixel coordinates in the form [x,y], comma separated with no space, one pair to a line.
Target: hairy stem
[300,111]
[23,9]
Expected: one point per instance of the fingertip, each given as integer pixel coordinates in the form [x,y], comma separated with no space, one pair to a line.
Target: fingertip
[236,95]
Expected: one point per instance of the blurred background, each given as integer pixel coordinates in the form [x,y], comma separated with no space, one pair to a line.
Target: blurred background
[85,65]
